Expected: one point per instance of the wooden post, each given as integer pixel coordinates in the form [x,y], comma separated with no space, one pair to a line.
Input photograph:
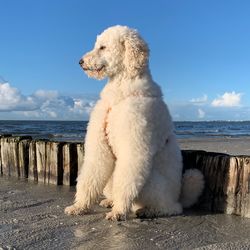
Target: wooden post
[80,155]
[69,164]
[238,188]
[9,157]
[54,163]
[33,162]
[14,157]
[41,155]
[23,153]
[4,157]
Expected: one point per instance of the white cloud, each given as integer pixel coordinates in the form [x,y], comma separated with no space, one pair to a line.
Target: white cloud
[228,100]
[190,112]
[200,100]
[43,104]
[12,99]
[46,94]
[48,104]
[82,106]
[9,96]
[201,113]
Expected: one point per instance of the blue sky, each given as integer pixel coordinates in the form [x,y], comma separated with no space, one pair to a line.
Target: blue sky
[200,55]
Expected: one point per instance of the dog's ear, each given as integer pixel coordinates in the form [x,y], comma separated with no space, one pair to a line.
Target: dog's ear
[136,54]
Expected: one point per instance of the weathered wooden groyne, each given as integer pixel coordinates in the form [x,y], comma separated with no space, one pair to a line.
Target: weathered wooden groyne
[227,177]
[40,160]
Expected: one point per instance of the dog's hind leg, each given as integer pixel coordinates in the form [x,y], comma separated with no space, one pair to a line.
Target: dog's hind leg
[159,197]
[130,174]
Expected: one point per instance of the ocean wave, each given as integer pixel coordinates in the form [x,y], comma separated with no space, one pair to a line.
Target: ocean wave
[76,130]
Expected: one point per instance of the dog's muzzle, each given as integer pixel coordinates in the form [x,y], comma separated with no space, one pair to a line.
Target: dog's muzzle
[81,63]
[93,69]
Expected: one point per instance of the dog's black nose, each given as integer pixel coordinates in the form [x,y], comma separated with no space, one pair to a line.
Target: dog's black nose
[81,62]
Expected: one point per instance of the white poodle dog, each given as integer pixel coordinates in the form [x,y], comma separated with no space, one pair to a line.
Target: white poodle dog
[131,152]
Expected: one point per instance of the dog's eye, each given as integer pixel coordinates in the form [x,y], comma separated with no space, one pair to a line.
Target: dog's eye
[102,47]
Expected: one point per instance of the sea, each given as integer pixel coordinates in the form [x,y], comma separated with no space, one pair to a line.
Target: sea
[75,131]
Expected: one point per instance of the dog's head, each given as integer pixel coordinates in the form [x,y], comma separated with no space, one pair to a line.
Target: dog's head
[119,50]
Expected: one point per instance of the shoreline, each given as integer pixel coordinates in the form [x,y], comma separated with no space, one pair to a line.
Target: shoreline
[227,145]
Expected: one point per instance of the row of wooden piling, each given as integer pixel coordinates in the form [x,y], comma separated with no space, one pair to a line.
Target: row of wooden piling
[227,181]
[227,177]
[40,160]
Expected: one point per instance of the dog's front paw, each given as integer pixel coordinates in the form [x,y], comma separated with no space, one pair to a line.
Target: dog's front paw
[75,209]
[115,216]
[106,203]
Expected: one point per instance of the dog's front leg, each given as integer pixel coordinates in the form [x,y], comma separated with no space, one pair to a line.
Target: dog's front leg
[98,164]
[133,166]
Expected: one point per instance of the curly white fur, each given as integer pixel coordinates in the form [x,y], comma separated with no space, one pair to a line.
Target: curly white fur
[131,153]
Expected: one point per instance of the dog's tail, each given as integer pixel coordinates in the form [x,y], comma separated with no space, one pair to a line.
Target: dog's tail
[192,187]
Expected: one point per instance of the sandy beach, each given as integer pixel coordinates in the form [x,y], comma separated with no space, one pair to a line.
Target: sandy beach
[31,217]
[227,145]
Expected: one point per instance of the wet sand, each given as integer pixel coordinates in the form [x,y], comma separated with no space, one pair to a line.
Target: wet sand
[31,217]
